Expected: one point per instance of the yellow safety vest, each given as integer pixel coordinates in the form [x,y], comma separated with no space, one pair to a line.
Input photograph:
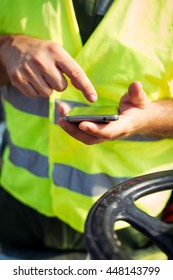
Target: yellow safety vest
[46,168]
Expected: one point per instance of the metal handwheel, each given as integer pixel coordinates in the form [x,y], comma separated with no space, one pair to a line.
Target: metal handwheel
[118,204]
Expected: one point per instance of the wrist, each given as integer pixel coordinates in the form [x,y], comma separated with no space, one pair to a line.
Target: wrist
[158,119]
[5,41]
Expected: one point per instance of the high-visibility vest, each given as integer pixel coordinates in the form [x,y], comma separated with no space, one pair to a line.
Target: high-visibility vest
[46,168]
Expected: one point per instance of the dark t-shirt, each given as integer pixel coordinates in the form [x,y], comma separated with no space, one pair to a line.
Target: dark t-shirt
[89,13]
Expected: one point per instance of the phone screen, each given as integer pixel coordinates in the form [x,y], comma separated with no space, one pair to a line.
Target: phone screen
[93,113]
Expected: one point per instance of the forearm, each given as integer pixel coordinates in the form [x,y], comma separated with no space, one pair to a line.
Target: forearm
[4,79]
[159,121]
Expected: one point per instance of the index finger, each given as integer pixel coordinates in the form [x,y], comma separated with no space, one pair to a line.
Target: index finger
[78,77]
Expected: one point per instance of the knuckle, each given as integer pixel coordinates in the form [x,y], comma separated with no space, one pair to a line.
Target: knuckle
[62,86]
[76,73]
[39,61]
[54,48]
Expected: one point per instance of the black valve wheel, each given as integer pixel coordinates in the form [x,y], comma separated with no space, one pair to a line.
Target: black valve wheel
[118,204]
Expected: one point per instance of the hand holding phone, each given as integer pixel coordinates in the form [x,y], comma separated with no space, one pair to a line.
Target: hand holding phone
[101,114]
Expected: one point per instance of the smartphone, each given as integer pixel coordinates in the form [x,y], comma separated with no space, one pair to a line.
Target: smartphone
[93,114]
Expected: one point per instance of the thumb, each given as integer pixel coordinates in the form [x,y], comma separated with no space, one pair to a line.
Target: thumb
[63,109]
[137,96]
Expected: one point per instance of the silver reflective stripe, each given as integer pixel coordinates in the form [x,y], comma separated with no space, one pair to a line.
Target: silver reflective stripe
[63,175]
[81,182]
[142,138]
[38,106]
[30,160]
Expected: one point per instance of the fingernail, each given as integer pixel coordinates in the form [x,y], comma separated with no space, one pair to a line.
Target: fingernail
[93,97]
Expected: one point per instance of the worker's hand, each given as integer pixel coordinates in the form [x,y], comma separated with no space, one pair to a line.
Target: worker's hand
[36,67]
[135,111]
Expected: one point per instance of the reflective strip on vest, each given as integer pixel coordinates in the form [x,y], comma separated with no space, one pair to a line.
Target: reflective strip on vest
[92,184]
[113,57]
[38,106]
[32,161]
[26,136]
[28,188]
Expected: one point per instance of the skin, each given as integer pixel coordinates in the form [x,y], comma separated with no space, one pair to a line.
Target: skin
[36,67]
[137,116]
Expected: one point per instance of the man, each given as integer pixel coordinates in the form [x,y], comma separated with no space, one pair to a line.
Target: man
[55,178]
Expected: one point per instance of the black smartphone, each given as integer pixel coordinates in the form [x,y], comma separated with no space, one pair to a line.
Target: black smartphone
[93,114]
